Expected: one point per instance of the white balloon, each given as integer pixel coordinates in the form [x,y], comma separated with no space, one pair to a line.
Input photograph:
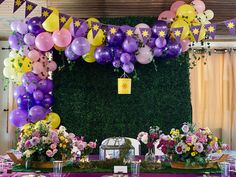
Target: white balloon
[7,62]
[138,32]
[209,14]
[201,17]
[144,55]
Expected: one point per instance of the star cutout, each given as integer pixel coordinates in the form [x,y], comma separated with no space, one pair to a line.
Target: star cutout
[162,34]
[177,33]
[113,30]
[230,25]
[77,23]
[124,86]
[29,7]
[195,31]
[145,33]
[18,2]
[45,13]
[63,19]
[95,27]
[129,32]
[211,29]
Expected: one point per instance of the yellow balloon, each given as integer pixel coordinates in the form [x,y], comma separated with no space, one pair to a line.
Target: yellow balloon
[27,65]
[186,12]
[89,57]
[181,23]
[53,119]
[52,22]
[201,35]
[67,24]
[89,20]
[99,38]
[59,48]
[17,63]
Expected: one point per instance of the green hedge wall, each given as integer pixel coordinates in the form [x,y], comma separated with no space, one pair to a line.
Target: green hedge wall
[87,101]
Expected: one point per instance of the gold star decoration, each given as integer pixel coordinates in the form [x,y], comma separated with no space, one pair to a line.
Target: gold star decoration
[18,2]
[95,27]
[29,7]
[230,25]
[162,34]
[77,23]
[211,29]
[45,13]
[195,31]
[177,33]
[63,19]
[129,32]
[145,33]
[124,86]
[113,30]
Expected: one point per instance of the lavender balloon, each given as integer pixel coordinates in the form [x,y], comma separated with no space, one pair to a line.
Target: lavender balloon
[158,26]
[70,54]
[116,63]
[125,58]
[130,45]
[81,32]
[38,95]
[157,52]
[80,46]
[29,39]
[103,55]
[160,43]
[36,113]
[28,78]
[14,25]
[22,28]
[18,117]
[31,87]
[115,39]
[13,41]
[128,67]
[19,91]
[35,25]
[45,86]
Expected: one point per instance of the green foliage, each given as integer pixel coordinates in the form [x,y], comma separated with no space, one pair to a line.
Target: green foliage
[87,101]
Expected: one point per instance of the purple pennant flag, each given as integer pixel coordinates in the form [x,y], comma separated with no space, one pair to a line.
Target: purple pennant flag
[29,7]
[112,29]
[177,32]
[95,28]
[45,13]
[129,31]
[146,34]
[211,30]
[195,31]
[17,5]
[77,23]
[1,1]
[162,33]
[63,19]
[230,24]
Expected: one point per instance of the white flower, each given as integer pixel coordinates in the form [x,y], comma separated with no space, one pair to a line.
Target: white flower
[185,128]
[144,138]
[28,153]
[62,128]
[46,140]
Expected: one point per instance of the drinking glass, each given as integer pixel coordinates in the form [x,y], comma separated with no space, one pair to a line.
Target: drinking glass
[57,168]
[225,169]
[135,168]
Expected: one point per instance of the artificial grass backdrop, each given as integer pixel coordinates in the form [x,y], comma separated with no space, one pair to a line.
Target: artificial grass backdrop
[87,101]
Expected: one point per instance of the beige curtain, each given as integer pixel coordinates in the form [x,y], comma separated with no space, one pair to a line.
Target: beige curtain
[213,95]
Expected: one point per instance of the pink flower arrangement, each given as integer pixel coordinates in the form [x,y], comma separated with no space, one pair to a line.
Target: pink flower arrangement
[84,147]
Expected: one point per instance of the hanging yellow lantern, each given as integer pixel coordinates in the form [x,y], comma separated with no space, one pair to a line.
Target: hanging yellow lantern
[124,85]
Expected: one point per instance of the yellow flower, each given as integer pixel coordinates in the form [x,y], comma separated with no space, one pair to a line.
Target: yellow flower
[219,151]
[210,136]
[60,145]
[215,138]
[194,148]
[66,141]
[62,138]
[190,144]
[193,154]
[64,146]
[187,148]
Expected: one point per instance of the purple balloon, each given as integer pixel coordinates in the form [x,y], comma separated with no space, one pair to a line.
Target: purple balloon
[160,43]
[35,25]
[18,117]
[128,67]
[157,52]
[116,52]
[158,26]
[19,91]
[22,28]
[174,49]
[48,101]
[80,46]
[25,102]
[31,87]
[81,32]
[45,86]
[116,63]
[103,55]
[13,41]
[133,58]
[37,113]
[130,45]
[29,77]
[29,39]
[125,58]
[14,25]
[115,39]
[38,95]
[151,42]
[70,54]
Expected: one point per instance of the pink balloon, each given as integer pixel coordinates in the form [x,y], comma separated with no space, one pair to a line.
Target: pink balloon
[38,68]
[43,75]
[52,66]
[34,55]
[44,41]
[185,44]
[176,5]
[199,6]
[137,30]
[144,55]
[44,60]
[167,16]
[62,38]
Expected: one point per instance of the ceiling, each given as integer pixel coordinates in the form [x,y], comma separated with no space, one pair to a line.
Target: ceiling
[113,8]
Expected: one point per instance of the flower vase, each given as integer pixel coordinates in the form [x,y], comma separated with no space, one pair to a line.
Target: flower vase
[150,156]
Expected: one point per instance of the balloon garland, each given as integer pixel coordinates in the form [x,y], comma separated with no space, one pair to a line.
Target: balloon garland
[30,62]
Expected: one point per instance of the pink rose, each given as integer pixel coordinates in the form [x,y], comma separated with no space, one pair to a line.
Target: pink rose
[188,139]
[54,151]
[49,153]
[92,144]
[53,146]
